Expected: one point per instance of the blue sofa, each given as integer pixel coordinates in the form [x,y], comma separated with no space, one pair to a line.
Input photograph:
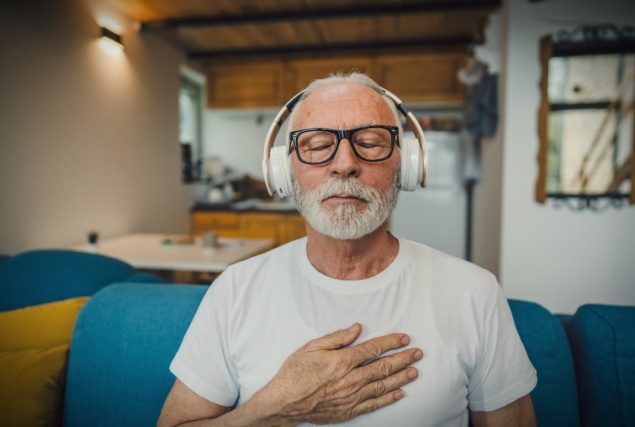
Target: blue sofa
[127,334]
[46,275]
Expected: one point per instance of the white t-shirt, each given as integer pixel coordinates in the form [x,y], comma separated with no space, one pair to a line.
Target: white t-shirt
[261,310]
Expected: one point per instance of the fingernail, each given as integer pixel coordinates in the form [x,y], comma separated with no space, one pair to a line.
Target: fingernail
[353,328]
[398,395]
[412,374]
[405,340]
[418,355]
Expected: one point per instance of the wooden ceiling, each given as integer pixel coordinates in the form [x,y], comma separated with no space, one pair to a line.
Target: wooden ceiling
[209,29]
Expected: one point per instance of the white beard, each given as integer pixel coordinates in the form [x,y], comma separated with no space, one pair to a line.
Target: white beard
[344,222]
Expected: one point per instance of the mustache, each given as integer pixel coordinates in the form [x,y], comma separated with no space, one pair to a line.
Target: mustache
[350,186]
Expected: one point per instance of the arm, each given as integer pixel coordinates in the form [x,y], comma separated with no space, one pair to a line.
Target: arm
[519,413]
[321,383]
[183,405]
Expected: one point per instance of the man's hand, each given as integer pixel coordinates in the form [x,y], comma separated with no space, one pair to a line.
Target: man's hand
[323,382]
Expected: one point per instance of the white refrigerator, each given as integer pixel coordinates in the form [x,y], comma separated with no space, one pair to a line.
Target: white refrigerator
[436,215]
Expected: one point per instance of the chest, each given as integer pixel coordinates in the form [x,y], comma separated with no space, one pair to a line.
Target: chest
[267,333]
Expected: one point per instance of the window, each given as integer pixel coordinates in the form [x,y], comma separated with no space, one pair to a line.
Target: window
[190,127]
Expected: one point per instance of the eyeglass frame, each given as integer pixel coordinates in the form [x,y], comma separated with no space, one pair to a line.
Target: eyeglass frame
[345,134]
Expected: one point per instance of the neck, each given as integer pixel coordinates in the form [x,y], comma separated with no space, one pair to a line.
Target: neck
[352,259]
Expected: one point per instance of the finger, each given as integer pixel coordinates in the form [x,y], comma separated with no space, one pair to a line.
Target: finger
[335,340]
[387,385]
[375,347]
[382,375]
[385,366]
[371,405]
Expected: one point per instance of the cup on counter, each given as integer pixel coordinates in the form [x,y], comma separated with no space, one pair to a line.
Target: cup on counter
[209,240]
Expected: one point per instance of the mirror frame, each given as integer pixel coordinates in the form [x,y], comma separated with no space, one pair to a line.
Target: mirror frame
[584,40]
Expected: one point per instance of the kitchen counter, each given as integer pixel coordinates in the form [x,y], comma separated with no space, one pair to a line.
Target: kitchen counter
[245,206]
[279,221]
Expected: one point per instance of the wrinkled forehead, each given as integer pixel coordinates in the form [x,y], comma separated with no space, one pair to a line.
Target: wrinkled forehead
[343,104]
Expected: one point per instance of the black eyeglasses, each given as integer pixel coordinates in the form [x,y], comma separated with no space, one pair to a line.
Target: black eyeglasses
[370,143]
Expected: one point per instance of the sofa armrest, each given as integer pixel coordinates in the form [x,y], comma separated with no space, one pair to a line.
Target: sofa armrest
[144,278]
[555,398]
[124,340]
[602,338]
[46,275]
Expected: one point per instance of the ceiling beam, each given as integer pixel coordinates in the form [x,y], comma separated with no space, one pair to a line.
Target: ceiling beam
[330,48]
[332,13]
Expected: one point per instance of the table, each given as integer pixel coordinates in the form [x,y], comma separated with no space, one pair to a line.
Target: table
[150,251]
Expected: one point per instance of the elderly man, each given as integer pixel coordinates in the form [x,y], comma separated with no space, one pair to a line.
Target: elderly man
[350,324]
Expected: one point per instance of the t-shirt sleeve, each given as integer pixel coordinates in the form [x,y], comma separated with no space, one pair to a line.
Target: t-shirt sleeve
[203,362]
[503,372]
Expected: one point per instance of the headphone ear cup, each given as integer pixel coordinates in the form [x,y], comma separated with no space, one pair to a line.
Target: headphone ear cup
[280,172]
[411,164]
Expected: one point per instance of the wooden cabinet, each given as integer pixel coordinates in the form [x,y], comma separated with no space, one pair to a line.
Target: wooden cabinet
[282,227]
[300,73]
[254,84]
[415,78]
[421,78]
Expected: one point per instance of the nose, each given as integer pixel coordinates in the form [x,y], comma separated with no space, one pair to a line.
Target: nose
[345,164]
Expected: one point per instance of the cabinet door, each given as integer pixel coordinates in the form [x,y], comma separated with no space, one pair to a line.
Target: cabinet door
[302,72]
[245,85]
[422,78]
[260,225]
[221,222]
[283,227]
[291,228]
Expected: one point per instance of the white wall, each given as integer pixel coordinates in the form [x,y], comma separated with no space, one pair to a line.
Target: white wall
[556,257]
[87,140]
[486,214]
[238,137]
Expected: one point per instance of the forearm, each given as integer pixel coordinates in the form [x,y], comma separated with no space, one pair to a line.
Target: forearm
[255,412]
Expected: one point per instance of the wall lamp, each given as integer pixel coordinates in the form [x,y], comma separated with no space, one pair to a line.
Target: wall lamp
[110,41]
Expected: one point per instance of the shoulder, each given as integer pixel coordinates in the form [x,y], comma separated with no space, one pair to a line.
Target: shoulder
[281,254]
[258,270]
[445,280]
[446,267]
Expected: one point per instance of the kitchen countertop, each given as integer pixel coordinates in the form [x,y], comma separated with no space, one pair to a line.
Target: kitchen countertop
[245,206]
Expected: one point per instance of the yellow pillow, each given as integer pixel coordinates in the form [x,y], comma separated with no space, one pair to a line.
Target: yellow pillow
[39,326]
[34,343]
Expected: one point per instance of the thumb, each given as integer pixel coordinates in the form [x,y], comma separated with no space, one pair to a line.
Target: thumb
[337,339]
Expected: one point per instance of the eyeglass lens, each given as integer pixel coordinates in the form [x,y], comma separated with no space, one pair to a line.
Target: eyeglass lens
[317,146]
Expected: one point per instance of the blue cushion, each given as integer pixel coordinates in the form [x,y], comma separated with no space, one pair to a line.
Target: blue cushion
[555,399]
[603,342]
[124,340]
[41,276]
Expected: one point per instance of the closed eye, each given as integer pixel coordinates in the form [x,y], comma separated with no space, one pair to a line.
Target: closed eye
[367,145]
[320,147]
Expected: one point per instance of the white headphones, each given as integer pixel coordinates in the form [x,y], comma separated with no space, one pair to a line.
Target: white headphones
[276,164]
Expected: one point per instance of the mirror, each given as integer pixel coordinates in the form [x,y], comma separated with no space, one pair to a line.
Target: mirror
[585,120]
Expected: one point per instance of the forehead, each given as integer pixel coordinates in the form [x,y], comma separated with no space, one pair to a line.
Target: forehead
[343,106]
